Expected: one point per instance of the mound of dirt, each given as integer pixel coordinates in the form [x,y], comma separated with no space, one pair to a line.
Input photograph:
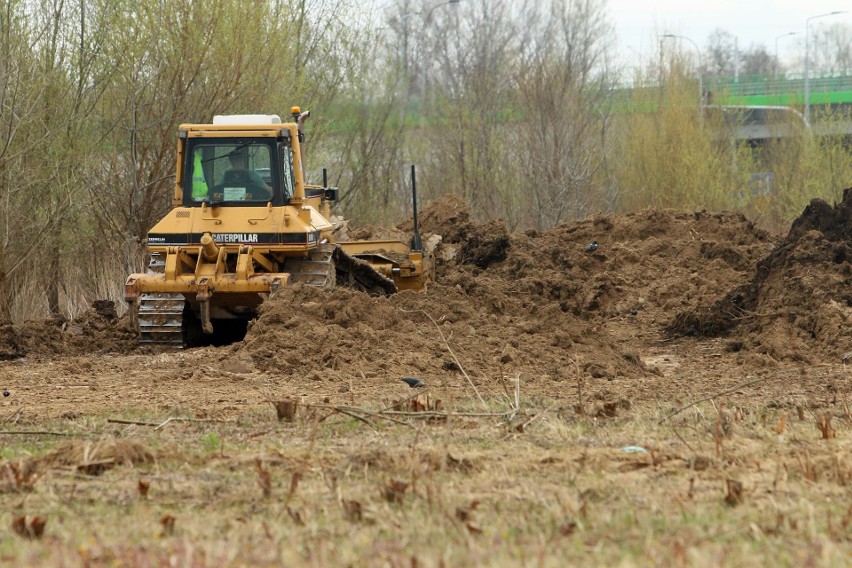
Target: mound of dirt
[333,335]
[798,302]
[650,261]
[448,216]
[528,303]
[98,330]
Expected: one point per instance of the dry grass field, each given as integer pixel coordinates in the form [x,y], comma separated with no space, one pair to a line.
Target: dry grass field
[679,397]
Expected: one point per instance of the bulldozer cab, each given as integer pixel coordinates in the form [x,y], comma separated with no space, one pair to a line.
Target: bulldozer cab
[238,171]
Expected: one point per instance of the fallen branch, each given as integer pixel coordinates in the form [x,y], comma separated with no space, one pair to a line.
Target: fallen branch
[36,432]
[714,396]
[173,419]
[133,422]
[355,416]
[158,426]
[356,413]
[14,416]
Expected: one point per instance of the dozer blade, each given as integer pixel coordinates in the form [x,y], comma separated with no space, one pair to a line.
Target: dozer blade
[160,319]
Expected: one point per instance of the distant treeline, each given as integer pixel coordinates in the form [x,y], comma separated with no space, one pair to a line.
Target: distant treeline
[498,101]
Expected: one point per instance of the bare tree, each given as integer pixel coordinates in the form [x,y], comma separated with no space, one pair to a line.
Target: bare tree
[563,87]
[757,61]
[831,50]
[720,54]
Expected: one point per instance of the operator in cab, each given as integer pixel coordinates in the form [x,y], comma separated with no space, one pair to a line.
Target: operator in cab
[238,162]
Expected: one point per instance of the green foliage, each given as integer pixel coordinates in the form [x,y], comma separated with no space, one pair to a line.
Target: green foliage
[673,158]
[211,442]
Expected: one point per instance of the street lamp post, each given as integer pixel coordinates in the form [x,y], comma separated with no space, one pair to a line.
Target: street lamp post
[700,65]
[776,51]
[807,109]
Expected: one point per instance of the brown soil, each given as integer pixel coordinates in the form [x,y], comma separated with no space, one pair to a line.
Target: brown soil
[98,330]
[628,316]
[687,368]
[798,303]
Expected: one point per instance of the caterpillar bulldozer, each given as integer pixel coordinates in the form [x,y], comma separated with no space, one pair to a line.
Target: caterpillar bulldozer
[245,223]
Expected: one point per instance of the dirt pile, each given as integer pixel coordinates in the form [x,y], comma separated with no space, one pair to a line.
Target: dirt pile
[531,303]
[592,292]
[648,261]
[798,302]
[97,330]
[336,335]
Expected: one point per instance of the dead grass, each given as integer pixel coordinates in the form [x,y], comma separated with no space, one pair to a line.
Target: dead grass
[600,488]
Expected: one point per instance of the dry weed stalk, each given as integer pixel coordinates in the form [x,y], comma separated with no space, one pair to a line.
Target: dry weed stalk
[452,354]
[286,409]
[20,477]
[735,492]
[168,523]
[294,485]
[394,492]
[352,510]
[720,428]
[32,531]
[297,516]
[264,478]
[824,425]
[581,409]
[782,424]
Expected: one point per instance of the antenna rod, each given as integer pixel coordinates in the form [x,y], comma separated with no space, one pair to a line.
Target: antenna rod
[324,177]
[416,244]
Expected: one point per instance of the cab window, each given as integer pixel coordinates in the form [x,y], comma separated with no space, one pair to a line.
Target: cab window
[230,171]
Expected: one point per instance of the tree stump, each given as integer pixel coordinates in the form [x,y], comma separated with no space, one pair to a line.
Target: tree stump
[286,409]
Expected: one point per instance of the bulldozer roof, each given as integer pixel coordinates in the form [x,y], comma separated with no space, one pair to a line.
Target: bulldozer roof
[243,119]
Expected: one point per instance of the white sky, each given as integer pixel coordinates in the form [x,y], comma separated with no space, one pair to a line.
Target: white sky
[639,22]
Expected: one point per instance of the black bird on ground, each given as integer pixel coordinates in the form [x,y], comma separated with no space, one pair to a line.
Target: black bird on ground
[413,383]
[593,246]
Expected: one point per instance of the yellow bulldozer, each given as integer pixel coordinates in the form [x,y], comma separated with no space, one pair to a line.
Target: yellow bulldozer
[245,223]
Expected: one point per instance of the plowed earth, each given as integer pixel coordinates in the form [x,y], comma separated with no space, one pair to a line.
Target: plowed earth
[662,291]
[670,307]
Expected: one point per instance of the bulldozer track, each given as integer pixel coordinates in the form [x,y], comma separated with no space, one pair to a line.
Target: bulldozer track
[160,315]
[358,274]
[329,266]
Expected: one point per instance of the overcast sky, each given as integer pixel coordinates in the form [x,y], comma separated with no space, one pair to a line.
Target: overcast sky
[639,22]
